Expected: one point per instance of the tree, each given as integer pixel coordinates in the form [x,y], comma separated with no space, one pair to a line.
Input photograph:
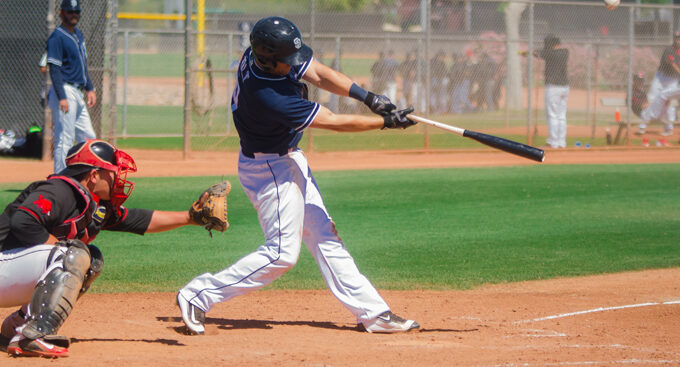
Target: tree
[513,15]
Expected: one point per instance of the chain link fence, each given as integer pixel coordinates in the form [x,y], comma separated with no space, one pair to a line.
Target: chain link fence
[167,83]
[23,84]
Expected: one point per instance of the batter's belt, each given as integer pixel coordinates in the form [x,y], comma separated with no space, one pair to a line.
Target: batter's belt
[280,153]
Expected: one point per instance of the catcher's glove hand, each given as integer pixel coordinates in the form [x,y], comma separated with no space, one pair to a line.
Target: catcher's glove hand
[210,210]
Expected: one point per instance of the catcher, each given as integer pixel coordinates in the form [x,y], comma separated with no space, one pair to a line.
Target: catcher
[47,259]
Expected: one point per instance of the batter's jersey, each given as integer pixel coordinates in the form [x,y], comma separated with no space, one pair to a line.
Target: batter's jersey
[270,111]
[67,50]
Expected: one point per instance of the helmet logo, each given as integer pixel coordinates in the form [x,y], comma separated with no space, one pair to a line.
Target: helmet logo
[74,3]
[297,42]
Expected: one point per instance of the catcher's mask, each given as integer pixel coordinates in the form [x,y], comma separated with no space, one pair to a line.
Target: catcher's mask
[98,154]
[278,39]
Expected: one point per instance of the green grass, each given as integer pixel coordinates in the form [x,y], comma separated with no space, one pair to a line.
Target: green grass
[433,229]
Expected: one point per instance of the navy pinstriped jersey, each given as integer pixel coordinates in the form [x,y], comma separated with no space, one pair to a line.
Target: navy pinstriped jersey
[67,50]
[270,111]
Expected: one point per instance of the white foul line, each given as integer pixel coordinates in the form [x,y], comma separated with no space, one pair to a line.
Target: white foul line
[600,309]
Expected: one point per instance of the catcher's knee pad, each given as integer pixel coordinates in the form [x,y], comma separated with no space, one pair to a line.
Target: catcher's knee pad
[96,264]
[56,293]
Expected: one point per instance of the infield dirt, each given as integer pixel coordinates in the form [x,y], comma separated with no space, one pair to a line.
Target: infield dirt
[628,318]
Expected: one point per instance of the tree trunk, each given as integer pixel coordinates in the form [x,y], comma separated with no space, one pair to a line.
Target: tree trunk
[513,15]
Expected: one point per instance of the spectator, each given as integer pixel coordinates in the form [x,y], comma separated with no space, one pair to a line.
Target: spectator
[440,81]
[390,70]
[377,73]
[460,78]
[71,84]
[666,78]
[408,70]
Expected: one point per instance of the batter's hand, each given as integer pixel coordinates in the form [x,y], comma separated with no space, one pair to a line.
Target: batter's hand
[91,98]
[63,105]
[398,119]
[379,104]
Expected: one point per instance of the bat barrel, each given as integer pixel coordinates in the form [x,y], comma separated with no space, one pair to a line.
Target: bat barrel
[522,150]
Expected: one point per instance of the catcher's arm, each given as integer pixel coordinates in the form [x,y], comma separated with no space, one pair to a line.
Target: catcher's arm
[162,221]
[210,210]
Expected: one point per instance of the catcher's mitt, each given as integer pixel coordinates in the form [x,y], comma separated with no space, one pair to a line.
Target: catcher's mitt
[210,210]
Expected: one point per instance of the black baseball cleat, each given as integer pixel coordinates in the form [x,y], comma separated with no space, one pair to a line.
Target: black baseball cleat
[387,322]
[194,317]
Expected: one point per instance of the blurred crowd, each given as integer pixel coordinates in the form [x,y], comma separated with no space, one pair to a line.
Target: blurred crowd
[464,83]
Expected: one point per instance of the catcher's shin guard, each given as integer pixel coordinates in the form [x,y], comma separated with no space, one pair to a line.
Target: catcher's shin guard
[96,264]
[55,295]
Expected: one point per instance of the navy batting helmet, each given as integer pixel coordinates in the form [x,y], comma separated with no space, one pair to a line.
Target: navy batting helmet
[70,5]
[278,39]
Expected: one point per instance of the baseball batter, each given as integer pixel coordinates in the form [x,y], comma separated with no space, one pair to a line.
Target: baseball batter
[47,260]
[71,84]
[271,112]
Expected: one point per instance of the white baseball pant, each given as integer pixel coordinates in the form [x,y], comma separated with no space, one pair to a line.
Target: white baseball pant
[290,210]
[556,114]
[75,124]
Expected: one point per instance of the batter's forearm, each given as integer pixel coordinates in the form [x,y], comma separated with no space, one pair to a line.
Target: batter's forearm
[327,120]
[162,221]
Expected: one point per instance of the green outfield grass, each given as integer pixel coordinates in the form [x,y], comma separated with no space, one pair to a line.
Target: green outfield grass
[432,229]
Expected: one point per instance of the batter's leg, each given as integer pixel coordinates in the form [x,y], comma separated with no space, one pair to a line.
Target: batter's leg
[275,193]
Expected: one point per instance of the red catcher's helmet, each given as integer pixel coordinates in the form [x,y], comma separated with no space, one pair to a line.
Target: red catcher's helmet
[98,154]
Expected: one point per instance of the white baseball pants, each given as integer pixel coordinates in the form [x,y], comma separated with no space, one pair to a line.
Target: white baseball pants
[75,124]
[22,268]
[659,108]
[290,210]
[556,114]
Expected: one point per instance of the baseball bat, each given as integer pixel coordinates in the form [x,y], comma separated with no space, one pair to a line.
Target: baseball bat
[522,150]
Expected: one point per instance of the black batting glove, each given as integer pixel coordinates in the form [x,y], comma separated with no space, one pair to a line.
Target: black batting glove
[379,104]
[398,119]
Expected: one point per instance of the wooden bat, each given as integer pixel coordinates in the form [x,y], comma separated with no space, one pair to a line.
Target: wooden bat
[522,150]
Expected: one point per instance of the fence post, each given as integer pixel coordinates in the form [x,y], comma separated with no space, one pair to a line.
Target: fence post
[530,73]
[631,41]
[312,34]
[426,12]
[47,114]
[126,61]
[187,79]
[113,68]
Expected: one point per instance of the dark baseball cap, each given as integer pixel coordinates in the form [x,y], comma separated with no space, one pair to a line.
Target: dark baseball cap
[72,5]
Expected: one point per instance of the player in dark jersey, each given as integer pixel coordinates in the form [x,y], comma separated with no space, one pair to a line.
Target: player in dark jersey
[72,91]
[271,111]
[665,79]
[47,260]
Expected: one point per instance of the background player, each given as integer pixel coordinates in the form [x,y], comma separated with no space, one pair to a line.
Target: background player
[67,58]
[46,261]
[666,78]
[270,113]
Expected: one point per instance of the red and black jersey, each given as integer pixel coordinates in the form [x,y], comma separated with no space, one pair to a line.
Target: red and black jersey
[670,56]
[62,207]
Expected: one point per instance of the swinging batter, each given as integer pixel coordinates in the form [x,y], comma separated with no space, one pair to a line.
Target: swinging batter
[271,111]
